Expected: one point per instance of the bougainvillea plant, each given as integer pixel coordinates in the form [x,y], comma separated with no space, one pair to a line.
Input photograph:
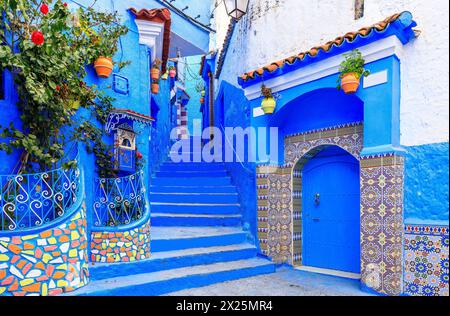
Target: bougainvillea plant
[47,46]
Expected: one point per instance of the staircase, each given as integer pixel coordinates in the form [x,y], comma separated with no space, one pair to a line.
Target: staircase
[197,239]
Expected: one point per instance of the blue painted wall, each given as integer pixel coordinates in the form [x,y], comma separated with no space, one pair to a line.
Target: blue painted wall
[236,113]
[192,78]
[426,184]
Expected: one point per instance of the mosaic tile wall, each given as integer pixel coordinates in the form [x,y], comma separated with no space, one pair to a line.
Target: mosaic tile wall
[279,210]
[51,262]
[426,260]
[382,180]
[128,246]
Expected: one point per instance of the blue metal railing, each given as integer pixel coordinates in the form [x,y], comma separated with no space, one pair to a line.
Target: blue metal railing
[33,200]
[119,201]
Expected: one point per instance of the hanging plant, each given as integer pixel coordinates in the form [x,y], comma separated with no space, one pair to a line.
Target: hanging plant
[172,72]
[351,70]
[268,103]
[155,72]
[47,51]
[155,87]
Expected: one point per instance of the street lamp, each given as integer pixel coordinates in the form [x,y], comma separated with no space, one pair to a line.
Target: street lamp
[236,8]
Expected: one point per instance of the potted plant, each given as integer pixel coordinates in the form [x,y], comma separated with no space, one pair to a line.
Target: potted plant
[268,103]
[105,41]
[203,93]
[155,86]
[172,72]
[352,69]
[156,69]
[202,100]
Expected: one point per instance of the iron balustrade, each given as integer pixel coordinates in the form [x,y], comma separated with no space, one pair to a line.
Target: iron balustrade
[33,200]
[119,201]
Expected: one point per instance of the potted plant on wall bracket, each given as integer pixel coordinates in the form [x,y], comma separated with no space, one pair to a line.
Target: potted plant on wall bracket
[269,103]
[172,72]
[155,86]
[106,40]
[155,72]
[351,70]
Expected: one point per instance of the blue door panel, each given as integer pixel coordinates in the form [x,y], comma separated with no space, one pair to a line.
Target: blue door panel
[331,228]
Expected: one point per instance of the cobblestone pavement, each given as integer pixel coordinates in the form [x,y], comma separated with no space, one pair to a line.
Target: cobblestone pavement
[285,282]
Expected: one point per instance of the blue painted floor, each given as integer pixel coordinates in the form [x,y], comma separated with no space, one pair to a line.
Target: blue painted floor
[285,282]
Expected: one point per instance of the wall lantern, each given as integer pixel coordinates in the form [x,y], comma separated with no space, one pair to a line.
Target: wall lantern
[236,8]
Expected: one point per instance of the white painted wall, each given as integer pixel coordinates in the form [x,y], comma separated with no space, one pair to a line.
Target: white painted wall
[275,29]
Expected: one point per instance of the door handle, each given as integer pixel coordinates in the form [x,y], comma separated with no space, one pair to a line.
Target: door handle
[317,199]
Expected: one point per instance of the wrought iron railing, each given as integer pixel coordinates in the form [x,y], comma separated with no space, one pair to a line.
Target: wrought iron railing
[119,201]
[33,200]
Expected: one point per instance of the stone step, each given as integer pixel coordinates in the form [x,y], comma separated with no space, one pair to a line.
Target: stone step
[195,208]
[191,189]
[192,174]
[171,166]
[167,281]
[191,181]
[188,220]
[195,197]
[180,238]
[174,260]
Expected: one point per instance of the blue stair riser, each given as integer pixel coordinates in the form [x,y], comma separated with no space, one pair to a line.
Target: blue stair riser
[162,221]
[231,209]
[191,181]
[192,189]
[148,266]
[192,167]
[187,198]
[193,174]
[188,282]
[159,245]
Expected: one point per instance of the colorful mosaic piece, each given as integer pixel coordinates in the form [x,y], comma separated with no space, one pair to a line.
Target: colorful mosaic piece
[51,262]
[426,260]
[127,246]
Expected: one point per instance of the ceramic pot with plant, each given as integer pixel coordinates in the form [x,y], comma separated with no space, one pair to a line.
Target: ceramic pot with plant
[155,87]
[155,72]
[268,103]
[172,72]
[202,100]
[103,66]
[203,93]
[352,69]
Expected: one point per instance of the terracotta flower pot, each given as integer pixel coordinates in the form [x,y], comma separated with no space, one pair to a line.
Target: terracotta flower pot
[155,73]
[268,105]
[155,88]
[350,82]
[172,73]
[202,100]
[103,66]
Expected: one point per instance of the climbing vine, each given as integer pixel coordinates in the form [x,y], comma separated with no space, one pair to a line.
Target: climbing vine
[46,46]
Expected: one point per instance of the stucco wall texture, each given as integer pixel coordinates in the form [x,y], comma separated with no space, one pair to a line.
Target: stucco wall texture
[275,29]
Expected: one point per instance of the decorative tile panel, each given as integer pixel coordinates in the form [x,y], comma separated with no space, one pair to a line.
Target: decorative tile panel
[426,251]
[382,223]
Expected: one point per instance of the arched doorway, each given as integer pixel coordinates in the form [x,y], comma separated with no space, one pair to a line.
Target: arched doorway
[328,203]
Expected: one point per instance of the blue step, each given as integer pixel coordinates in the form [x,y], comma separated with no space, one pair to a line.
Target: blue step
[164,282]
[219,181]
[179,238]
[193,174]
[195,198]
[191,189]
[187,220]
[174,260]
[187,208]
[192,167]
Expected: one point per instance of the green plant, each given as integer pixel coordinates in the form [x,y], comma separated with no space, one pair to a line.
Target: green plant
[47,52]
[353,63]
[266,92]
[157,64]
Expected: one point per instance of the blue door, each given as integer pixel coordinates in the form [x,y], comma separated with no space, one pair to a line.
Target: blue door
[331,216]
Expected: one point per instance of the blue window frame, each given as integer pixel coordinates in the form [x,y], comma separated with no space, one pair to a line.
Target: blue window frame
[2,85]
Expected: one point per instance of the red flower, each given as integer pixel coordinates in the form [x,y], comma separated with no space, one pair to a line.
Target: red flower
[44,9]
[65,4]
[37,38]
[58,88]
[139,155]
